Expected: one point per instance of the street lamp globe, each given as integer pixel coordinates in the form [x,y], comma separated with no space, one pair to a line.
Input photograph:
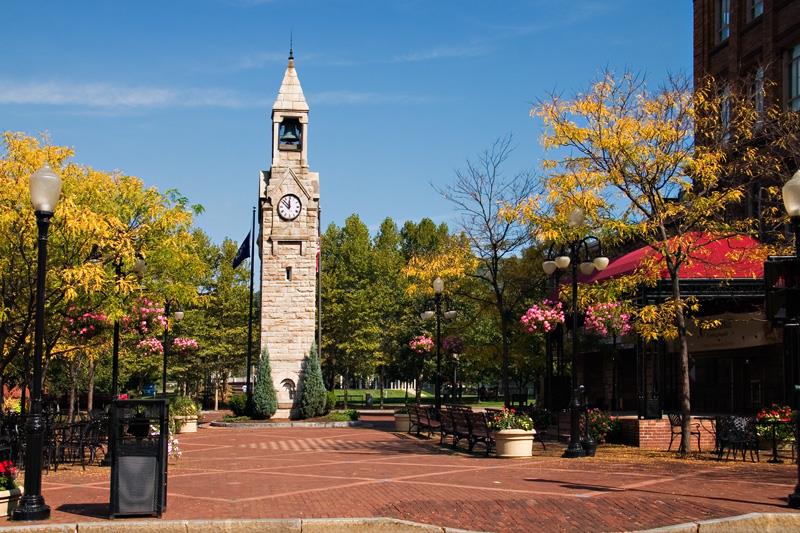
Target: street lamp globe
[139,266]
[45,187]
[576,217]
[562,261]
[178,316]
[450,315]
[791,195]
[587,267]
[427,315]
[600,263]
[438,285]
[549,267]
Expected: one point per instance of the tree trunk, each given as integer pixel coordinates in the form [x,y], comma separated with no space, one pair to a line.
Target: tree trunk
[73,389]
[506,349]
[381,387]
[685,388]
[346,387]
[90,387]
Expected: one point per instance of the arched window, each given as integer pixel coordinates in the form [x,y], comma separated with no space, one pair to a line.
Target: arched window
[288,384]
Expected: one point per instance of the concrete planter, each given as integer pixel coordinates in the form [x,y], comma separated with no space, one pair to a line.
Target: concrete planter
[9,500]
[187,424]
[402,422]
[514,442]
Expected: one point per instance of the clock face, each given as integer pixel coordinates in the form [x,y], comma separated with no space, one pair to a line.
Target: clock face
[289,207]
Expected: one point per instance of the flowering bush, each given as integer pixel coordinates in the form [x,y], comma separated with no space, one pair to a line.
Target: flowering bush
[453,344]
[776,413]
[86,325]
[145,317]
[8,475]
[546,316]
[600,424]
[509,419]
[173,451]
[421,344]
[608,319]
[150,346]
[184,345]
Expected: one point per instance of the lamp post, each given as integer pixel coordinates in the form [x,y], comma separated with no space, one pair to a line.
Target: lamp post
[791,201]
[45,187]
[178,316]
[575,254]
[438,291]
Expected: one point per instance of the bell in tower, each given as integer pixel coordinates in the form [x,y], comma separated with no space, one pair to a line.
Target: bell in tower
[290,134]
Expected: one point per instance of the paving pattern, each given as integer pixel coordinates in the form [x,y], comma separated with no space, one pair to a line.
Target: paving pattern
[365,472]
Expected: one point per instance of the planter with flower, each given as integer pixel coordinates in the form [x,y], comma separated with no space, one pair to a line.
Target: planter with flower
[513,434]
[608,319]
[543,317]
[778,418]
[402,420]
[184,412]
[10,492]
[421,344]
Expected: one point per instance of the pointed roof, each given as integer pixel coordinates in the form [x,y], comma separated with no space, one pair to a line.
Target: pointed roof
[290,95]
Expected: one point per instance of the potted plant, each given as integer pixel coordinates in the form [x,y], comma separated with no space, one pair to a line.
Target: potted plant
[600,423]
[402,421]
[777,418]
[10,492]
[513,434]
[184,413]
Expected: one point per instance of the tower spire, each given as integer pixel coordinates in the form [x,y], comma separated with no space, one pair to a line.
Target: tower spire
[291,50]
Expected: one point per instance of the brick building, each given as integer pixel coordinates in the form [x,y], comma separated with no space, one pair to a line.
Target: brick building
[756,40]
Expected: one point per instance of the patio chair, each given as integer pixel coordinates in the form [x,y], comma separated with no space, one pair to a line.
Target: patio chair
[676,426]
[740,435]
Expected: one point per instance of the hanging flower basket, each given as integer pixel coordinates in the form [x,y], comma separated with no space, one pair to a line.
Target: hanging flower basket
[150,346]
[607,319]
[543,317]
[85,326]
[184,346]
[145,317]
[453,344]
[421,344]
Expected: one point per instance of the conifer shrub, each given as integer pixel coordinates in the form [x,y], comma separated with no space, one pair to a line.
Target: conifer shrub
[312,392]
[265,399]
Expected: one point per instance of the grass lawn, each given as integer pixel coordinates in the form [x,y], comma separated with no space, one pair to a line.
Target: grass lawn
[398,396]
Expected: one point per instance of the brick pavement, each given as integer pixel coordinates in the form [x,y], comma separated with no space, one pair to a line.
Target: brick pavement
[365,472]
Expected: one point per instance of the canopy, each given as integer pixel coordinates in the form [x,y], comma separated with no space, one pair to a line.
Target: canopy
[711,258]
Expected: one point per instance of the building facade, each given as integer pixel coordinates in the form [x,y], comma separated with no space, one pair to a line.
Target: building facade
[289,241]
[755,40]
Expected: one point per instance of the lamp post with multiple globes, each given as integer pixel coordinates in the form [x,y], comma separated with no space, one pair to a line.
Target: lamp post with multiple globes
[438,291]
[577,255]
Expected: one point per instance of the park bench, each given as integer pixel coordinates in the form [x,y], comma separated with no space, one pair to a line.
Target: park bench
[421,420]
[461,425]
[479,431]
[446,428]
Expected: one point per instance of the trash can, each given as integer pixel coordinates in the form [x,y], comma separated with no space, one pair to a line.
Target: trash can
[368,401]
[138,434]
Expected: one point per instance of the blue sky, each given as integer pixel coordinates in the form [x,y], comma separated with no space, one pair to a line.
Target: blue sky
[401,92]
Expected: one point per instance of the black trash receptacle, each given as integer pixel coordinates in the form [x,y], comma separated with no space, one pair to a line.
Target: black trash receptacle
[138,435]
[368,401]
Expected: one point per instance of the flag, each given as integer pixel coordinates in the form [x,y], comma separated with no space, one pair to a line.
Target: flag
[243,253]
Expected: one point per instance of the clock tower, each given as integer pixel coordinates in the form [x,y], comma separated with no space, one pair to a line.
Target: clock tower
[289,200]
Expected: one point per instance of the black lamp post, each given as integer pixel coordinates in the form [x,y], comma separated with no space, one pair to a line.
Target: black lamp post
[438,291]
[791,200]
[178,316]
[139,268]
[575,254]
[45,186]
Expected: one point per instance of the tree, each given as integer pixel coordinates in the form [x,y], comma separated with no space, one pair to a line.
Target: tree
[629,159]
[265,399]
[479,194]
[312,391]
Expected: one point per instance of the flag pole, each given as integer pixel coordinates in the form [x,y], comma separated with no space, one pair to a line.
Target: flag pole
[250,311]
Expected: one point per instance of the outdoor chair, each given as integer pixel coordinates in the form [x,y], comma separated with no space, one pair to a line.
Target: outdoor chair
[676,426]
[737,433]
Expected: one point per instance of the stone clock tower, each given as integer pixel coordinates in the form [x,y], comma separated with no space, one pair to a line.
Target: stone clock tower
[289,200]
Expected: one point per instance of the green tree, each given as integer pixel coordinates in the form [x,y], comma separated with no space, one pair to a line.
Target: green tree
[312,392]
[265,399]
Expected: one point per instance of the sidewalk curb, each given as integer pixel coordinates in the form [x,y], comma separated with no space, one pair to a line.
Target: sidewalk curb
[745,523]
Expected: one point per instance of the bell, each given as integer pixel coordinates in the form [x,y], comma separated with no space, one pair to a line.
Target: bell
[290,134]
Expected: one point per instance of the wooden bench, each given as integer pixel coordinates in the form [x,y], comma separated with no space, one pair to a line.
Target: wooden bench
[461,425]
[446,425]
[479,431]
[421,419]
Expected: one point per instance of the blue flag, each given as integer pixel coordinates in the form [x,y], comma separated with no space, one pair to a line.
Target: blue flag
[243,253]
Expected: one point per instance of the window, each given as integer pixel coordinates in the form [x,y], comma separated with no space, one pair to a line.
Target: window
[290,134]
[758,92]
[723,20]
[288,273]
[755,9]
[725,114]
[794,80]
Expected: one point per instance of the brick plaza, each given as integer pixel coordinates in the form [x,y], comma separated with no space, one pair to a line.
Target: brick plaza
[371,471]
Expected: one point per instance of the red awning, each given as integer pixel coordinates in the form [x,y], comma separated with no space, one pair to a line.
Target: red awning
[711,258]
